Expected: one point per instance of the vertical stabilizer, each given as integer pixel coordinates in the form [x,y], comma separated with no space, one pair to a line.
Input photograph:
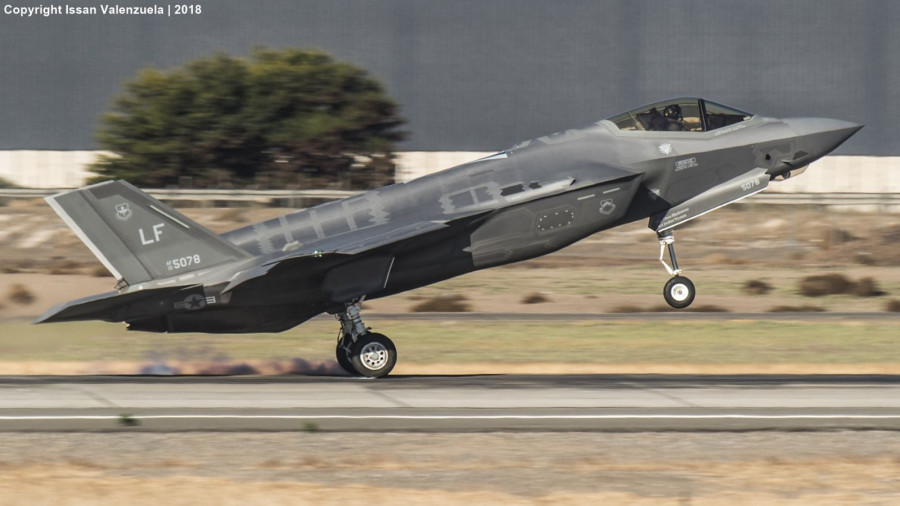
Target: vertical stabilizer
[138,238]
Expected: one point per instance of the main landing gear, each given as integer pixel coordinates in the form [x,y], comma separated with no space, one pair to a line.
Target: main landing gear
[360,352]
[679,292]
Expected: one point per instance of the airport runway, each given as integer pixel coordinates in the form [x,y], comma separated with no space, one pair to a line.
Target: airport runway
[616,403]
[674,315]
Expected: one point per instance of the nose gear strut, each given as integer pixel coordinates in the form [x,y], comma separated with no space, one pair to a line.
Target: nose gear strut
[679,291]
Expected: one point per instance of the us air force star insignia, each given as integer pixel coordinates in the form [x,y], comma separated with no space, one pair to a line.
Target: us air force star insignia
[607,207]
[193,302]
[665,148]
[123,211]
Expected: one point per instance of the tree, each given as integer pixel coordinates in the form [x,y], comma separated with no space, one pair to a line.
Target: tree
[280,118]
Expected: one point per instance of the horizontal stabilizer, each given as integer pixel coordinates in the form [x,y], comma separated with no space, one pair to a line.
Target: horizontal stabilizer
[110,306]
[138,238]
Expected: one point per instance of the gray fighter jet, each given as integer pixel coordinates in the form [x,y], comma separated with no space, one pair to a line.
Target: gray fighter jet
[668,162]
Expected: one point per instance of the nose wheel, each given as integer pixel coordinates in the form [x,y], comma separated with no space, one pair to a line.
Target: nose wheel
[679,291]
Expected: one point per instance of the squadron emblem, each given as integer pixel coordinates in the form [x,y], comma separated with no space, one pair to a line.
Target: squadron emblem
[123,211]
[607,206]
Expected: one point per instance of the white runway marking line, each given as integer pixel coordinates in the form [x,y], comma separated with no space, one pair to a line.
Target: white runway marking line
[451,417]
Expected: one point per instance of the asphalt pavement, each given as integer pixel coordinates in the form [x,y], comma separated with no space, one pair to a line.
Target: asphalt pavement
[615,403]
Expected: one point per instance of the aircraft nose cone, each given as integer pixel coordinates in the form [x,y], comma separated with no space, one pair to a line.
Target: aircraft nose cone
[823,134]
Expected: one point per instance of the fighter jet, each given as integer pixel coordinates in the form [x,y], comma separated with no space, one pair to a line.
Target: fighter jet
[668,162]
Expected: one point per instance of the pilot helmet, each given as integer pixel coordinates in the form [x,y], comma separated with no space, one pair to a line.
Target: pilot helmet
[673,111]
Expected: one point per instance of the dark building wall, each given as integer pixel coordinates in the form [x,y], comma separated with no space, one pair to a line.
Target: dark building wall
[480,75]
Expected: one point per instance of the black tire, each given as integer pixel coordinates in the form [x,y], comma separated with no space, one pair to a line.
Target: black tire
[373,355]
[679,292]
[343,357]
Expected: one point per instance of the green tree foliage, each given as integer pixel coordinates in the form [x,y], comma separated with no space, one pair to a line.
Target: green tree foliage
[281,118]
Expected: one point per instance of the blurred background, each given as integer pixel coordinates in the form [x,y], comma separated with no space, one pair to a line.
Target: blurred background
[467,77]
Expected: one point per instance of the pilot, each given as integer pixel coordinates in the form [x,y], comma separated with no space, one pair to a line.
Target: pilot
[674,117]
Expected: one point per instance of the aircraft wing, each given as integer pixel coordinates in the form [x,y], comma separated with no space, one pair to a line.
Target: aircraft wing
[342,248]
[386,237]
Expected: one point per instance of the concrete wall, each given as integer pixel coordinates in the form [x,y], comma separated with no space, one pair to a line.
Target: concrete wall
[46,169]
[845,174]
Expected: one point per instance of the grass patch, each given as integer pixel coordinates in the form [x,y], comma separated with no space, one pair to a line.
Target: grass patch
[21,295]
[797,309]
[535,298]
[756,287]
[824,284]
[838,284]
[866,287]
[662,308]
[443,304]
[126,420]
[63,267]
[628,308]
[725,342]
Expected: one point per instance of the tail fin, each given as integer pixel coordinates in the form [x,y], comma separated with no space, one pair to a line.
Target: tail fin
[137,237]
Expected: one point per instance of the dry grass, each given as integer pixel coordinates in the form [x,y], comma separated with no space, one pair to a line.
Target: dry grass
[838,284]
[535,298]
[233,215]
[627,308]
[866,287]
[705,469]
[63,267]
[661,308]
[835,237]
[443,304]
[21,295]
[708,308]
[756,287]
[824,284]
[722,259]
[99,272]
[17,267]
[797,309]
[865,258]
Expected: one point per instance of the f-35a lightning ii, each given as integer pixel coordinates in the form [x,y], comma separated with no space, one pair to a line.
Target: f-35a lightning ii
[668,162]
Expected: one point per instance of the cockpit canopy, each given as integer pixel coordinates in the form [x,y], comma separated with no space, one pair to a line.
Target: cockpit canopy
[680,115]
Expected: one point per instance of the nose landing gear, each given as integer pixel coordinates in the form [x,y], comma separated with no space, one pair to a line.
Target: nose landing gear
[679,291]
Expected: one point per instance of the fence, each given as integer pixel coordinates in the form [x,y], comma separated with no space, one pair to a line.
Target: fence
[862,202]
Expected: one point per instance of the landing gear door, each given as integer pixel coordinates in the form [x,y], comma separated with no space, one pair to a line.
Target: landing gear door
[743,186]
[354,279]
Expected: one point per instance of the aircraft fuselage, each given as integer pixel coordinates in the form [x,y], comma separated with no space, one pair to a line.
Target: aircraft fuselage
[668,162]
